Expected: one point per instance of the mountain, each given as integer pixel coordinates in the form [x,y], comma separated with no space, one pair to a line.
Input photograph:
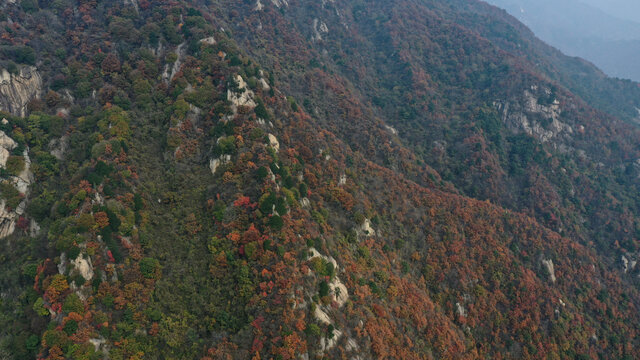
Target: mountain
[583,30]
[284,179]
[624,9]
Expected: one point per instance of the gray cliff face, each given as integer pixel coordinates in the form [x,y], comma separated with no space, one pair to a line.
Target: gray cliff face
[525,114]
[21,182]
[16,90]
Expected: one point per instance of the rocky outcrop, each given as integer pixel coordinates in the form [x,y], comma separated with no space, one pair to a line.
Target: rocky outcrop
[273,142]
[9,217]
[625,264]
[319,29]
[57,147]
[84,267]
[629,262]
[16,90]
[343,180]
[391,129]
[528,115]
[548,265]
[215,163]
[242,97]
[339,296]
[167,75]
[7,220]
[365,229]
[25,178]
[280,3]
[208,40]
[461,310]
[264,84]
[6,145]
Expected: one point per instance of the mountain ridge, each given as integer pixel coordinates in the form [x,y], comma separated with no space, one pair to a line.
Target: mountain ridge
[579,29]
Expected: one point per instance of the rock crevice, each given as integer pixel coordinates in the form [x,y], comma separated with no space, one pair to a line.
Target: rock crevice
[17,90]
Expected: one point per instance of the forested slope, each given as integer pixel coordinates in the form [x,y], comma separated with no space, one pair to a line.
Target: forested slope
[286,179]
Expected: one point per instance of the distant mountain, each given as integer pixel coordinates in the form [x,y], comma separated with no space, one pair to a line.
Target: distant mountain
[624,9]
[579,29]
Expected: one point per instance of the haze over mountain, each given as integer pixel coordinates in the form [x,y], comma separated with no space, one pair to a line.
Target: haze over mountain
[605,33]
[624,9]
[311,179]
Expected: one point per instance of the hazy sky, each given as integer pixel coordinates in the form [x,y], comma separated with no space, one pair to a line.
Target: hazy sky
[626,9]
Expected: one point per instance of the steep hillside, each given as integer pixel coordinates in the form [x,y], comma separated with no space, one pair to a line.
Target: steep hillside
[615,96]
[301,179]
[466,105]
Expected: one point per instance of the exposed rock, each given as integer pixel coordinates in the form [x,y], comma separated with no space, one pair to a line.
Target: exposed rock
[315,253]
[339,292]
[391,129]
[7,220]
[366,229]
[352,345]
[67,96]
[625,264]
[529,116]
[6,145]
[98,343]
[58,147]
[63,112]
[244,97]
[208,40]
[321,316]
[25,178]
[280,3]
[264,84]
[304,202]
[319,28]
[62,266]
[343,180]
[215,163]
[180,52]
[34,228]
[83,266]
[16,90]
[259,6]
[9,217]
[98,199]
[548,265]
[273,142]
[328,344]
[461,310]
